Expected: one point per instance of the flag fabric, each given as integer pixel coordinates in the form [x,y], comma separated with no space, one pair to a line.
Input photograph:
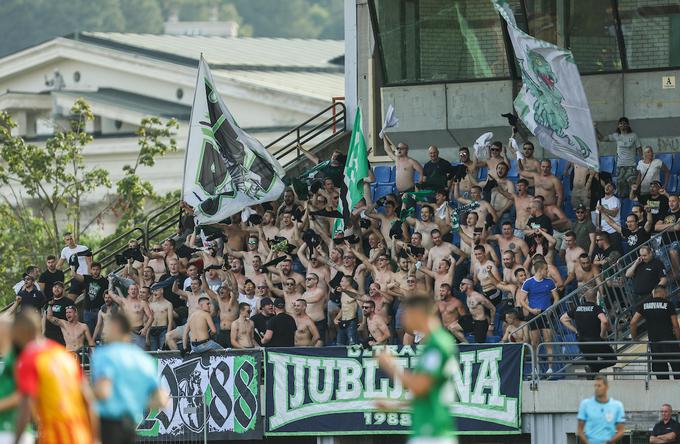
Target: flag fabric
[225,169]
[552,103]
[356,170]
[390,121]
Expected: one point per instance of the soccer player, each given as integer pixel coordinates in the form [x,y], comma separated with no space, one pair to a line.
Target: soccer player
[51,384]
[600,418]
[125,382]
[431,380]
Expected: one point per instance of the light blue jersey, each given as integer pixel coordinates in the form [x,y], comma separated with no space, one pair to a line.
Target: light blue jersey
[133,375]
[601,418]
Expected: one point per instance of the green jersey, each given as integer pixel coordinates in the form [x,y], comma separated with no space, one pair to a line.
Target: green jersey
[432,411]
[7,387]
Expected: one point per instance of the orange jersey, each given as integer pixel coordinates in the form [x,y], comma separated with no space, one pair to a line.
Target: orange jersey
[51,376]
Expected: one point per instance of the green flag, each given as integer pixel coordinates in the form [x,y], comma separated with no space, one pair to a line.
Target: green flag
[356,169]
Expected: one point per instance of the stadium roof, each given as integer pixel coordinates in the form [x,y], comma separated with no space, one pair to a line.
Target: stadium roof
[229,53]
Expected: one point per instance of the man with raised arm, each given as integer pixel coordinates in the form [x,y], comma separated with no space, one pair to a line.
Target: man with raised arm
[141,316]
[200,328]
[405,166]
[75,333]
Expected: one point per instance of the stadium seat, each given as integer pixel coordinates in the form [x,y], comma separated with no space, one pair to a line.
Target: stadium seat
[482,173]
[566,186]
[416,176]
[608,164]
[561,166]
[493,339]
[568,208]
[672,187]
[666,158]
[626,208]
[563,271]
[675,168]
[393,174]
[382,190]
[382,173]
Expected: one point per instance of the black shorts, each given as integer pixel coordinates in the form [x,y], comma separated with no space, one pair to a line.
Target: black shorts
[478,328]
[494,296]
[224,338]
[541,324]
[118,431]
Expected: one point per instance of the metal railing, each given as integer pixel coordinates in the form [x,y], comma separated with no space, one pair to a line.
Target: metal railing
[619,359]
[614,290]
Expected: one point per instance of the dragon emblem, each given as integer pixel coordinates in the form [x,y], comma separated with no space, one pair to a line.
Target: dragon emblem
[549,113]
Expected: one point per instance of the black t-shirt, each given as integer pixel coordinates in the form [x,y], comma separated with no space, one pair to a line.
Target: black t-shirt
[541,221]
[58,311]
[47,280]
[663,429]
[647,276]
[283,327]
[437,172]
[260,322]
[670,218]
[94,292]
[585,317]
[657,313]
[658,205]
[32,298]
[174,298]
[632,240]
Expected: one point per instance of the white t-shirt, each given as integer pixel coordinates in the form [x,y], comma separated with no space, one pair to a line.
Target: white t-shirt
[254,302]
[609,203]
[649,173]
[20,284]
[626,145]
[67,252]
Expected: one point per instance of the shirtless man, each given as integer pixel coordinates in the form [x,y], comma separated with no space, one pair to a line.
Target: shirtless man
[162,320]
[269,227]
[496,156]
[470,166]
[148,276]
[316,303]
[450,308]
[248,255]
[550,187]
[74,332]
[386,220]
[236,235]
[424,225]
[583,178]
[405,166]
[585,273]
[290,229]
[314,265]
[509,267]
[529,163]
[378,332]
[508,241]
[192,297]
[346,319]
[486,273]
[200,327]
[290,293]
[381,300]
[572,252]
[257,276]
[285,271]
[104,313]
[242,330]
[444,274]
[477,321]
[499,202]
[485,207]
[137,311]
[227,300]
[306,334]
[155,262]
[515,331]
[442,250]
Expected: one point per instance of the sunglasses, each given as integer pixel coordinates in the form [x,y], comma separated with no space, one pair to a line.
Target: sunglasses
[410,282]
[309,279]
[365,307]
[495,149]
[290,283]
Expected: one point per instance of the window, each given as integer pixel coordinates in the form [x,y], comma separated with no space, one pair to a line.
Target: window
[651,31]
[439,40]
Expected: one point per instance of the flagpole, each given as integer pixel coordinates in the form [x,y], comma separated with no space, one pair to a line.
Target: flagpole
[191,120]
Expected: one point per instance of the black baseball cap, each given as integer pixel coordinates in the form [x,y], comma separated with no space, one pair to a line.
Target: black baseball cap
[265,301]
[279,303]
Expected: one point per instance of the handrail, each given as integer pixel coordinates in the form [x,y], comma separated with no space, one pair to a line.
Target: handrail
[110,257]
[617,360]
[296,129]
[156,214]
[606,279]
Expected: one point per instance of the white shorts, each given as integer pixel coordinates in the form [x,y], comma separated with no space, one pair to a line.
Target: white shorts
[433,440]
[8,438]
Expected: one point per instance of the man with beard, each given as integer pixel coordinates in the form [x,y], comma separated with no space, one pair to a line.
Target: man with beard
[50,277]
[523,201]
[424,226]
[633,234]
[450,308]
[501,204]
[584,273]
[584,229]
[58,304]
[477,322]
[378,332]
[550,187]
[507,241]
[261,319]
[75,333]
[289,204]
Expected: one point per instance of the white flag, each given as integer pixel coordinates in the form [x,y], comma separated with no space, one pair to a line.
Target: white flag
[552,103]
[225,169]
[391,121]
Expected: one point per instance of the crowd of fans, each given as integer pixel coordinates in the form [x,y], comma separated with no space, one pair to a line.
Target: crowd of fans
[493,252]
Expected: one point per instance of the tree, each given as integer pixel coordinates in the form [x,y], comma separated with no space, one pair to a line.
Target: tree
[54,174]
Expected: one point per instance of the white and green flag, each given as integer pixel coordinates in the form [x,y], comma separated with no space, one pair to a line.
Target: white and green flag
[552,103]
[356,169]
[225,169]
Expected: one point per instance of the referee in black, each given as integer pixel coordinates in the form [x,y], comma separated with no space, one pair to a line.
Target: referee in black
[590,324]
[661,321]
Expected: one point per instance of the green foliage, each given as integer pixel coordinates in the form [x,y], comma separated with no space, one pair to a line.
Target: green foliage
[54,175]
